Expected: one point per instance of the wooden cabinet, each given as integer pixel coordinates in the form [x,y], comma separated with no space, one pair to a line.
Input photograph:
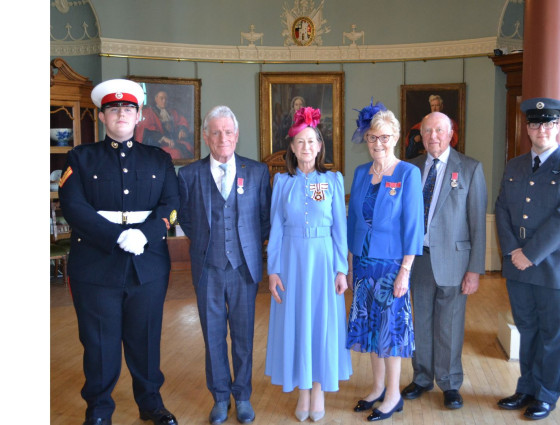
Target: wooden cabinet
[71,107]
[516,134]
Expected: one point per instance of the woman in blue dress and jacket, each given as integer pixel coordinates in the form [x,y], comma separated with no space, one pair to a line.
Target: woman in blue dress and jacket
[385,232]
[307,267]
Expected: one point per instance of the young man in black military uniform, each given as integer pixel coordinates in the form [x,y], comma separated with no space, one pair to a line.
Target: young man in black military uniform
[119,197]
[528,222]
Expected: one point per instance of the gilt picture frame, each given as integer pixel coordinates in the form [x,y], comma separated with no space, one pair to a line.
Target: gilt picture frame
[417,101]
[170,116]
[281,92]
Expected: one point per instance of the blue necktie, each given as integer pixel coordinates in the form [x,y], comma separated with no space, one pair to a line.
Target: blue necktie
[428,192]
[225,187]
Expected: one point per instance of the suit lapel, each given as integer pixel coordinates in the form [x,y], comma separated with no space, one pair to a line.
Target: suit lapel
[453,166]
[206,180]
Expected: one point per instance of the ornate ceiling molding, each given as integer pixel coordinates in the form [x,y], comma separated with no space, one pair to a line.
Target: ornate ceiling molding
[76,48]
[268,54]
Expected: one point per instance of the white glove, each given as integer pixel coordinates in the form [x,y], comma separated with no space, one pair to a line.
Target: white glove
[133,241]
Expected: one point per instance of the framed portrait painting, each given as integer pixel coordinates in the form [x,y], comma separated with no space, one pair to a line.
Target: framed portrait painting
[283,93]
[419,100]
[170,116]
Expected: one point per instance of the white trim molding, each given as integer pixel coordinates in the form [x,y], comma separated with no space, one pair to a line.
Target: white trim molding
[270,54]
[76,48]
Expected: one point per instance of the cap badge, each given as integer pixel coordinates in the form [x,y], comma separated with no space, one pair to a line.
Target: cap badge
[540,105]
[119,95]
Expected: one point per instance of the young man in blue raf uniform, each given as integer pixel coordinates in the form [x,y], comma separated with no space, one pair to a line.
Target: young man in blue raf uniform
[120,196]
[528,220]
[225,212]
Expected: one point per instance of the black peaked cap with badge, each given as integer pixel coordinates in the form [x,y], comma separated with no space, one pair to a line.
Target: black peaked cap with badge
[541,109]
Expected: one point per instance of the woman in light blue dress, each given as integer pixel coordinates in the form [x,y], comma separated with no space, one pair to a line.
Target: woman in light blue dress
[307,267]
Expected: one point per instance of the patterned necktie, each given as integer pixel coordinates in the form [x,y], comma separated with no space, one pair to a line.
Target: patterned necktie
[428,191]
[537,163]
[225,186]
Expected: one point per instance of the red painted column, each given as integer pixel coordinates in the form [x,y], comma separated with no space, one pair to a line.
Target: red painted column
[541,51]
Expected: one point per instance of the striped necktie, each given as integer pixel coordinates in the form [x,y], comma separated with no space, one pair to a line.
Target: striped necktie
[428,191]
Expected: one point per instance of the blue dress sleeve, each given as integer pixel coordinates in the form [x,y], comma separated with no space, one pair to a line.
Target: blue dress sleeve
[340,246]
[274,248]
[412,213]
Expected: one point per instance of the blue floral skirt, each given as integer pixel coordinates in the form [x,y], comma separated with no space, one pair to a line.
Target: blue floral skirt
[378,321]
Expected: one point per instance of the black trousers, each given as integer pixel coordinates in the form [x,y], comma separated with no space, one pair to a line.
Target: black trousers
[536,312]
[113,318]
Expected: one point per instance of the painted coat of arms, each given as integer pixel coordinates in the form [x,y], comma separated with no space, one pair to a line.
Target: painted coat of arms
[304,23]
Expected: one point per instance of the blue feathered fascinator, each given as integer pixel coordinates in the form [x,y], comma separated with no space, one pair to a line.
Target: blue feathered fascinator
[364,119]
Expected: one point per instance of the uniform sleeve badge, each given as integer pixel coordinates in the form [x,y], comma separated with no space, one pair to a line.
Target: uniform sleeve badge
[65,176]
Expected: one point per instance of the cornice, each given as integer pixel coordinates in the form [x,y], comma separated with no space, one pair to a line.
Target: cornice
[270,54]
[76,48]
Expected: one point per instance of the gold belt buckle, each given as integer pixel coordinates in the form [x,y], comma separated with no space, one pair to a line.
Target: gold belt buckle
[522,232]
[124,217]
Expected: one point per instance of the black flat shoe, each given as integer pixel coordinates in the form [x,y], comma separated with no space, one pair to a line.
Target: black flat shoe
[413,390]
[378,415]
[366,405]
[160,416]
[516,401]
[539,410]
[97,421]
[452,399]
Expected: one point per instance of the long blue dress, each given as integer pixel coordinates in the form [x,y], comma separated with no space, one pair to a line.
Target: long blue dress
[306,248]
[378,322]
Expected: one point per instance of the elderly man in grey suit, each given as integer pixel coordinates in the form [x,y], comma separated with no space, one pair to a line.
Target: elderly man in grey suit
[225,212]
[455,201]
[528,220]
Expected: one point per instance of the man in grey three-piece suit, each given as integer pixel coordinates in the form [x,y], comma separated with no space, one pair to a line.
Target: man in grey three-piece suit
[453,259]
[225,212]
[528,220]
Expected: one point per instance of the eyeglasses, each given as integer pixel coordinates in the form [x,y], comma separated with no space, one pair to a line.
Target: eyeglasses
[384,138]
[546,125]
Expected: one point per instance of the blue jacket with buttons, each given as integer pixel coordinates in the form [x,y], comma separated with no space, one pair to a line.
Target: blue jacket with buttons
[114,176]
[528,217]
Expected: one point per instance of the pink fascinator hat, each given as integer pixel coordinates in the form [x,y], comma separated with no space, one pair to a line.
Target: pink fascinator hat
[305,117]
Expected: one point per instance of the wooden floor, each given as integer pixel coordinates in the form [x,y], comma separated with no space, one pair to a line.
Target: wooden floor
[488,375]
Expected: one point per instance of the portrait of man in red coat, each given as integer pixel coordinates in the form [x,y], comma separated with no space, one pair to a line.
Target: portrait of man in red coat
[166,128]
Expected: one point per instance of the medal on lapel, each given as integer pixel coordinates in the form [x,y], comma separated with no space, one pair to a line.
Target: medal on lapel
[240,186]
[454,178]
[318,190]
[393,186]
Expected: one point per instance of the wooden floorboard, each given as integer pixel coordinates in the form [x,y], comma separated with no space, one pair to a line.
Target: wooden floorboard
[488,374]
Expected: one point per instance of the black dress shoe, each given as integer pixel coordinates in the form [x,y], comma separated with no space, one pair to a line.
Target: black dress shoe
[539,410]
[516,401]
[97,421]
[452,399]
[366,405]
[378,415]
[160,416]
[413,390]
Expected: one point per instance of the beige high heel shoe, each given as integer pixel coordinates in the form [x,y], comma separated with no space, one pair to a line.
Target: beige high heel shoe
[302,415]
[317,416]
